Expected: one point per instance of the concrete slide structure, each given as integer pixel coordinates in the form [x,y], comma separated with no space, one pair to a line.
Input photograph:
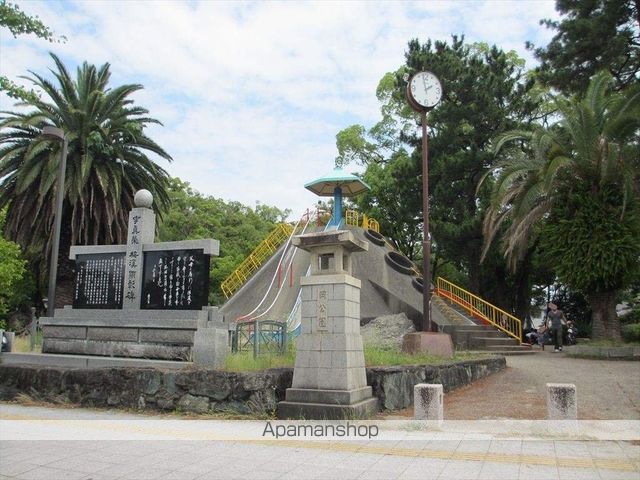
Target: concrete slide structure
[385,290]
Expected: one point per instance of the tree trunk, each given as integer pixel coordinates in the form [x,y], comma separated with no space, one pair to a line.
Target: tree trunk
[523,286]
[65,278]
[604,319]
[474,272]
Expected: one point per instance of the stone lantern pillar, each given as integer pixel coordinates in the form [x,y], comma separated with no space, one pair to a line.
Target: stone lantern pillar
[329,378]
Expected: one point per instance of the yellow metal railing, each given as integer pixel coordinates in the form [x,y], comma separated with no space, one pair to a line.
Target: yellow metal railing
[352,217]
[479,308]
[252,263]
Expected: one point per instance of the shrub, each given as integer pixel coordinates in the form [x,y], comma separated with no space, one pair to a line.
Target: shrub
[631,332]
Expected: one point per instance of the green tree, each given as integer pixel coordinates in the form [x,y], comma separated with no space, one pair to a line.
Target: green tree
[107,163]
[238,228]
[19,23]
[486,92]
[576,189]
[591,36]
[392,201]
[12,273]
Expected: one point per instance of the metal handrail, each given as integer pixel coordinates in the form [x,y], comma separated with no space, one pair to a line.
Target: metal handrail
[353,217]
[255,259]
[477,307]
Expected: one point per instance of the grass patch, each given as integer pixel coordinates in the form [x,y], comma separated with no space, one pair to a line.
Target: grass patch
[373,357]
[380,357]
[244,361]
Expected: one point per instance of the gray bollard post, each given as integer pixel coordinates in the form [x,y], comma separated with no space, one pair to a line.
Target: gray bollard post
[10,338]
[562,401]
[33,329]
[428,402]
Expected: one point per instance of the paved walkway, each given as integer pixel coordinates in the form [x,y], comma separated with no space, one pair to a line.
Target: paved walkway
[84,444]
[607,390]
[169,453]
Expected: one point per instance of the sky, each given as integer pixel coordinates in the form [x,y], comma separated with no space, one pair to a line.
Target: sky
[252,94]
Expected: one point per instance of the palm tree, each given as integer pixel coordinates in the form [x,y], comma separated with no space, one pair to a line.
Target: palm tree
[106,164]
[556,177]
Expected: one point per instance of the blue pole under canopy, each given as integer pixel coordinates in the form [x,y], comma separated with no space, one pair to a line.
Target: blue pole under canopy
[337,184]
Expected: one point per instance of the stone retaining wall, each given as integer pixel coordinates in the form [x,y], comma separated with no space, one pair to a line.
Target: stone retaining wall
[201,391]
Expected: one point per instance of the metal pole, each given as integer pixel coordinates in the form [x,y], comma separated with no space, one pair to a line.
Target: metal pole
[53,265]
[256,339]
[426,244]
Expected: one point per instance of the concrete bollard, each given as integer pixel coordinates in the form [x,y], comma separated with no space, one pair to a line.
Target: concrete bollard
[427,402]
[9,337]
[562,401]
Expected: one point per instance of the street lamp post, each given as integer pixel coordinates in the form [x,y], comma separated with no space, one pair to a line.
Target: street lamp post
[58,134]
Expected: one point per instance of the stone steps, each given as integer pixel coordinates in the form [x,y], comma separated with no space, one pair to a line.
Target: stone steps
[482,338]
[524,351]
[492,341]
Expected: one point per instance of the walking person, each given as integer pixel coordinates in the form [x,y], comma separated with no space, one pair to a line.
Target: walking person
[555,317]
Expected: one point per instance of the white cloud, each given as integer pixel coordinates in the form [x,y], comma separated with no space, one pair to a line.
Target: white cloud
[252,94]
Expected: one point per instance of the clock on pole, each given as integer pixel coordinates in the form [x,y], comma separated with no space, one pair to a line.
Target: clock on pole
[424,92]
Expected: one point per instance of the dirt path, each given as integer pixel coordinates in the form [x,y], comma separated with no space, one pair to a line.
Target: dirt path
[607,390]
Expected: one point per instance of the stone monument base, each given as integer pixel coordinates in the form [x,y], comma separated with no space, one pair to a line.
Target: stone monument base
[434,343]
[174,335]
[314,404]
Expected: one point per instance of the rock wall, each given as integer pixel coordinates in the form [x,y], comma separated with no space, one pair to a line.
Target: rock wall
[394,385]
[202,391]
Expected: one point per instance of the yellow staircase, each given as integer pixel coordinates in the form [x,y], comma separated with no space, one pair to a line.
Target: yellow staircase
[480,309]
[254,261]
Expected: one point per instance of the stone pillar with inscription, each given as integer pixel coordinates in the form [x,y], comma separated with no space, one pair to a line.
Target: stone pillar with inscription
[142,229]
[141,300]
[329,378]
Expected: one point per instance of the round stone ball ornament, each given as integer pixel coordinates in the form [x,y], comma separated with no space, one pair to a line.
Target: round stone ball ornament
[143,199]
[424,91]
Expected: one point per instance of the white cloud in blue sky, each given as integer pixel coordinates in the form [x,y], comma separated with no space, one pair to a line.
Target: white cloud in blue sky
[252,94]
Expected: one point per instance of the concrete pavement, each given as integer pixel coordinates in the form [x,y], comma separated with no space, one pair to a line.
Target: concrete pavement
[607,390]
[459,457]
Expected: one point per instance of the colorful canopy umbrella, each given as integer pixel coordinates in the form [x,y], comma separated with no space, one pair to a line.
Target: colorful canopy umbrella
[337,184]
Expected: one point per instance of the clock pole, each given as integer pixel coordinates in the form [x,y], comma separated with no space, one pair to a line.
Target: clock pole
[424,91]
[426,243]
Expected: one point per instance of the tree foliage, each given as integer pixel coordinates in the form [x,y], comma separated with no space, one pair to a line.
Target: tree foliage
[238,228]
[592,35]
[591,248]
[19,23]
[107,162]
[12,272]
[576,184]
[486,92]
[392,201]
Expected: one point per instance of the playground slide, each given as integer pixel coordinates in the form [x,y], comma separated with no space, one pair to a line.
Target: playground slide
[271,292]
[384,291]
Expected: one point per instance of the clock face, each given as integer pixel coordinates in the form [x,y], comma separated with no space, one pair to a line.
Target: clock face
[426,89]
